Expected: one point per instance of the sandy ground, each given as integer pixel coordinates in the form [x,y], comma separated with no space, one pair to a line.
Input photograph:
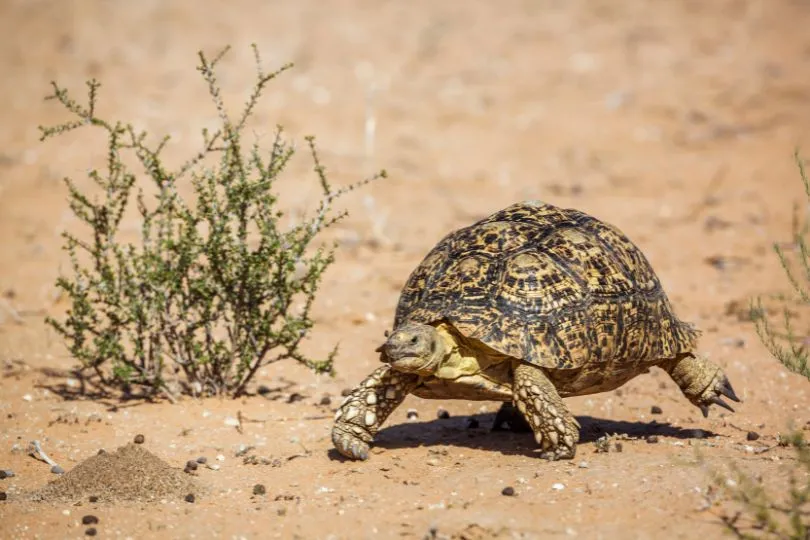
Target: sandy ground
[675,121]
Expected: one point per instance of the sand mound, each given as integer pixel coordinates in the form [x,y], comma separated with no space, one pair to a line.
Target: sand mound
[131,473]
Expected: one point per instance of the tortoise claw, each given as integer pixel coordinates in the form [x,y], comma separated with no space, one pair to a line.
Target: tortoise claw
[718,401]
[349,446]
[725,388]
[712,395]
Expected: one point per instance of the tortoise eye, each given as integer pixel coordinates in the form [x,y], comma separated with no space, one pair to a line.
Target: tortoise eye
[414,340]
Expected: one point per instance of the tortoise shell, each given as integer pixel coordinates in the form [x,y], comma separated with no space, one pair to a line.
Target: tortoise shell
[550,286]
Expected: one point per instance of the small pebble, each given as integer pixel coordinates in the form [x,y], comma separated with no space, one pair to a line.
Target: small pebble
[202,460]
[56,469]
[472,423]
[220,457]
[655,409]
[326,400]
[652,439]
[443,414]
[8,473]
[3,496]
[752,436]
[346,391]
[582,465]
[412,414]
[139,439]
[191,465]
[93,498]
[263,390]
[101,451]
[618,447]
[89,519]
[558,486]
[509,491]
[91,531]
[190,498]
[259,489]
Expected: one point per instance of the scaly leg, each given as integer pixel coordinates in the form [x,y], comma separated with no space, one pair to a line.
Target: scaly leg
[555,428]
[364,410]
[701,381]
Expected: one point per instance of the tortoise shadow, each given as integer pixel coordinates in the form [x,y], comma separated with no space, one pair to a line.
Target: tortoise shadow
[455,431]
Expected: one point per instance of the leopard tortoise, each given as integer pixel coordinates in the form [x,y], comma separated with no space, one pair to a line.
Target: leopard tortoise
[529,305]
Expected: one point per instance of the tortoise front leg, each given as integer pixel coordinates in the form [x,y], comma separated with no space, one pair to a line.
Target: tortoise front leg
[364,410]
[555,428]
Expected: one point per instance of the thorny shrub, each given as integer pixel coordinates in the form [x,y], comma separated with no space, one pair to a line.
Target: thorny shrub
[215,288]
[762,513]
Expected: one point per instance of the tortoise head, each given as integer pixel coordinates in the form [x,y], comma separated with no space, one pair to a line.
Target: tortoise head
[413,348]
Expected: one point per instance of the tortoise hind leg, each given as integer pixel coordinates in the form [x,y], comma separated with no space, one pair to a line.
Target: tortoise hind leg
[701,381]
[555,429]
[364,410]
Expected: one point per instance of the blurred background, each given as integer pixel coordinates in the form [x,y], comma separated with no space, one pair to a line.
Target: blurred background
[675,120]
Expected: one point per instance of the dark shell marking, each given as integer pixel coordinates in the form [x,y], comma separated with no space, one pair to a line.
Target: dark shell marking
[554,287]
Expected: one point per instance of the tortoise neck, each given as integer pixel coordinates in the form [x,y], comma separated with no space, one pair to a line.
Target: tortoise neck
[448,343]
